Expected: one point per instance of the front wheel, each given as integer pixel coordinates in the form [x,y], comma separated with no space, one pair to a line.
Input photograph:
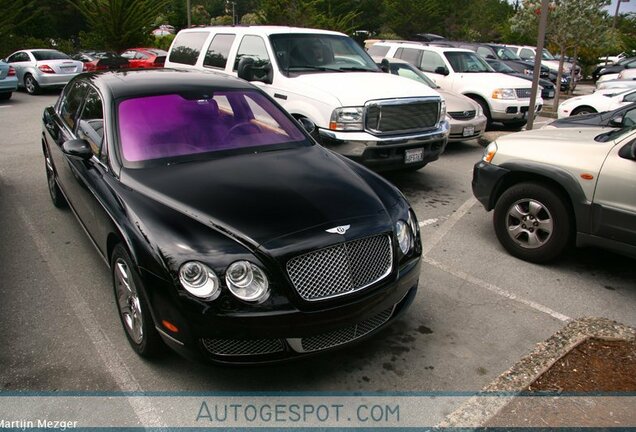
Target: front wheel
[132,305]
[54,190]
[532,222]
[583,110]
[31,85]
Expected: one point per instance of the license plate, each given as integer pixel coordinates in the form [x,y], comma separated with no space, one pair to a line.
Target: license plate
[469,130]
[68,68]
[413,155]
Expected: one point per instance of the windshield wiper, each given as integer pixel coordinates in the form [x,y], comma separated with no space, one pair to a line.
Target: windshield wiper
[312,67]
[357,69]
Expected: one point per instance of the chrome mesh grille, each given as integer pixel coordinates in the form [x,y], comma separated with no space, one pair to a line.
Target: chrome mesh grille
[242,346]
[341,269]
[405,116]
[347,334]
[523,93]
[462,115]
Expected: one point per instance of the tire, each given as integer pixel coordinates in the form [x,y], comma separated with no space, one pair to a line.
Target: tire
[5,96]
[486,109]
[132,306]
[31,85]
[583,110]
[54,190]
[545,234]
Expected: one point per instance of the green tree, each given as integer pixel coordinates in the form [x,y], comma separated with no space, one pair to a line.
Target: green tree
[121,24]
[14,14]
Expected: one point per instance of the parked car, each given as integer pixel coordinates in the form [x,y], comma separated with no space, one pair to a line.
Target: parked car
[43,68]
[163,30]
[546,87]
[99,61]
[625,79]
[230,233]
[144,58]
[466,118]
[549,187]
[503,98]
[611,72]
[8,80]
[599,101]
[547,59]
[611,119]
[382,121]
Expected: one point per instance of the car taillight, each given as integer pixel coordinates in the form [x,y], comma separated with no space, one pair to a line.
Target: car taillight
[46,69]
[101,67]
[11,71]
[84,67]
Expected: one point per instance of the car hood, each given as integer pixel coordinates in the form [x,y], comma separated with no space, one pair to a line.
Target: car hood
[496,80]
[259,197]
[356,88]
[555,137]
[457,102]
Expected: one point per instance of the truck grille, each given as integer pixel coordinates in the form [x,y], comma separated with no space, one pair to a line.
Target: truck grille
[462,115]
[347,334]
[341,269]
[230,347]
[523,93]
[401,115]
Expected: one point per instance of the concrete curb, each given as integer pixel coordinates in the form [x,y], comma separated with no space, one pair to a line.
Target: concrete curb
[478,410]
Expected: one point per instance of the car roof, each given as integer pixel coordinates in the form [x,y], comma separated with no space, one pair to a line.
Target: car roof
[417,45]
[147,82]
[261,30]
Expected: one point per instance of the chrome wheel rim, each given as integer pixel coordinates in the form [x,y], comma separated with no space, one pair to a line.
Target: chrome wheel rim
[529,223]
[29,84]
[50,178]
[128,300]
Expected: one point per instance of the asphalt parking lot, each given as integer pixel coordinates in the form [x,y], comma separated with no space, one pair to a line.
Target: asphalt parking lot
[477,310]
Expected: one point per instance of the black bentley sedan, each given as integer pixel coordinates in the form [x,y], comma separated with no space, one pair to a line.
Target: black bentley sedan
[229,232]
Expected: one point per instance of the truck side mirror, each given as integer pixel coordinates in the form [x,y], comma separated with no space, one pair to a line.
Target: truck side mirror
[384,65]
[442,70]
[248,70]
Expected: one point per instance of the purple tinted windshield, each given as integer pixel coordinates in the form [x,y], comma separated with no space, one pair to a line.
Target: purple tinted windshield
[170,125]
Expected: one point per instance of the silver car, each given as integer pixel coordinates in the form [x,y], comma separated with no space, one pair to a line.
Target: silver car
[8,81]
[43,68]
[466,118]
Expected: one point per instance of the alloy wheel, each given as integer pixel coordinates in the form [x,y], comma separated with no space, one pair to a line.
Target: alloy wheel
[529,223]
[128,300]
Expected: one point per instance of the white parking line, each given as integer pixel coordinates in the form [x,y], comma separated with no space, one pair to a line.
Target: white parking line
[447,226]
[104,347]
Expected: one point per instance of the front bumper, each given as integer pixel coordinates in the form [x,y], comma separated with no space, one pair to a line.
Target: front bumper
[512,110]
[384,153]
[486,179]
[54,80]
[459,129]
[8,84]
[270,336]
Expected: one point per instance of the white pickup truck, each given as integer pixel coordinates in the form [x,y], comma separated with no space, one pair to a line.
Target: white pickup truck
[381,120]
[504,99]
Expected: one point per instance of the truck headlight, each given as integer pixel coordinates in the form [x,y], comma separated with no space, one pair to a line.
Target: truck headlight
[442,110]
[489,152]
[347,119]
[504,93]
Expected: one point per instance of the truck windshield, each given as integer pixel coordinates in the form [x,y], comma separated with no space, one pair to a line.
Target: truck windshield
[465,61]
[311,52]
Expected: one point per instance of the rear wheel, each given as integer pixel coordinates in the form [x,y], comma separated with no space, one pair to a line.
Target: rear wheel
[532,222]
[583,110]
[31,85]
[132,305]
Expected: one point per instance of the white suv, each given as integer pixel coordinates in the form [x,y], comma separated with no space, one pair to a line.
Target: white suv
[381,120]
[504,99]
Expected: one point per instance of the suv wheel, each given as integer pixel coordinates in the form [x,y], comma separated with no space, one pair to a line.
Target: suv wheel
[531,222]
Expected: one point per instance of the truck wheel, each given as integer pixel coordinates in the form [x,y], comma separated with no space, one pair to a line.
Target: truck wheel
[486,110]
[532,222]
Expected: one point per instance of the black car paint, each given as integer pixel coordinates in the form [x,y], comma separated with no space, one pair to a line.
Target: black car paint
[593,120]
[276,205]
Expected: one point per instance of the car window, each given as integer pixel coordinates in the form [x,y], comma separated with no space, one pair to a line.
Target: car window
[140,56]
[410,72]
[18,57]
[378,50]
[253,47]
[431,61]
[186,127]
[629,119]
[71,103]
[218,51]
[410,55]
[467,62]
[631,97]
[128,54]
[187,47]
[505,53]
[50,55]
[90,124]
[526,54]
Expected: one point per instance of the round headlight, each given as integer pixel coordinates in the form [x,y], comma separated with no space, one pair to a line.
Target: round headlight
[403,236]
[199,280]
[247,281]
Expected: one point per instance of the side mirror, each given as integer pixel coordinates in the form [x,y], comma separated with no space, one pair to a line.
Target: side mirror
[385,66]
[77,148]
[490,56]
[442,70]
[249,72]
[628,151]
[307,124]
[616,121]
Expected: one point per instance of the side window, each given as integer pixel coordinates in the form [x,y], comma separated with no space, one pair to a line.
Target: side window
[71,103]
[376,50]
[218,51]
[18,57]
[254,47]
[128,54]
[631,97]
[485,52]
[140,56]
[431,61]
[411,55]
[187,47]
[526,54]
[91,121]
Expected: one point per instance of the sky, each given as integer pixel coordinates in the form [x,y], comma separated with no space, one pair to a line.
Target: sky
[625,6]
